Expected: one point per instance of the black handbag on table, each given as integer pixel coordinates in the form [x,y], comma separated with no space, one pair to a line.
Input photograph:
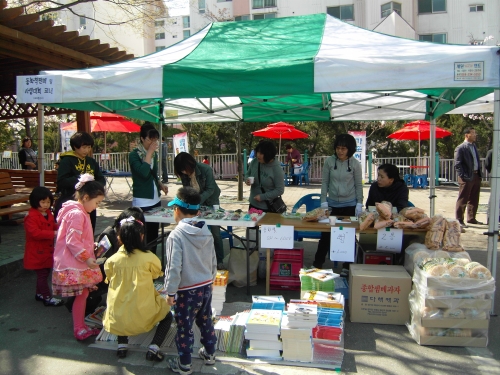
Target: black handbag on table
[276,205]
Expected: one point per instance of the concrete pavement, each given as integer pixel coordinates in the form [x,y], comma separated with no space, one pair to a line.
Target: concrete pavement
[38,340]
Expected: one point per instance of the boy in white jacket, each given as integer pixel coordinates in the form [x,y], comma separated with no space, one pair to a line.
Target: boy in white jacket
[189,274]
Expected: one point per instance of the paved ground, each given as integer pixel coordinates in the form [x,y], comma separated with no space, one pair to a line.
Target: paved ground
[38,340]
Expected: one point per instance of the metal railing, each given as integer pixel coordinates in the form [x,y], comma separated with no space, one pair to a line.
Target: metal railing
[225,165]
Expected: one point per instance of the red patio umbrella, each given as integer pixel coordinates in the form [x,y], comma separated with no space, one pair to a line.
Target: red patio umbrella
[280,130]
[107,122]
[419,130]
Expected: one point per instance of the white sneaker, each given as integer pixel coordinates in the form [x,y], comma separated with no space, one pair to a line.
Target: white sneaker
[209,359]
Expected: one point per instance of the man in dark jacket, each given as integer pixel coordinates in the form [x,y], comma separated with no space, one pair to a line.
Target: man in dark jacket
[468,167]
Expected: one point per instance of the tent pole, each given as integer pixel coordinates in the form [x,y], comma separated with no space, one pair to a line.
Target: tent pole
[41,148]
[160,149]
[494,199]
[432,166]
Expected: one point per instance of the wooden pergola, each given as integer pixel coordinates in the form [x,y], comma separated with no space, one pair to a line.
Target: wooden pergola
[28,45]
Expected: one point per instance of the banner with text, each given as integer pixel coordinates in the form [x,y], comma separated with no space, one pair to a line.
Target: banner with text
[360,154]
[180,143]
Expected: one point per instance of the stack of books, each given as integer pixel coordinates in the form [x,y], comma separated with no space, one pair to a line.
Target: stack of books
[328,335]
[237,333]
[296,326]
[219,291]
[315,279]
[268,302]
[95,319]
[263,329]
[222,328]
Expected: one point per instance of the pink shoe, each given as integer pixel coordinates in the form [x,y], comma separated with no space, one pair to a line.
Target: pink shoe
[85,333]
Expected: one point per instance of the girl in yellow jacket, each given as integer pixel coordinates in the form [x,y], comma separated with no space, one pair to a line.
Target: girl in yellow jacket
[134,305]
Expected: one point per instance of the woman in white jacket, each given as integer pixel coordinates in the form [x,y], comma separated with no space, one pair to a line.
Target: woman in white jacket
[341,189]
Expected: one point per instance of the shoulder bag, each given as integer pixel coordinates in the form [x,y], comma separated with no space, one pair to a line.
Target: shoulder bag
[275,205]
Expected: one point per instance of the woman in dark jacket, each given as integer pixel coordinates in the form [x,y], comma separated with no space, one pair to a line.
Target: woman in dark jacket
[27,157]
[201,177]
[388,187]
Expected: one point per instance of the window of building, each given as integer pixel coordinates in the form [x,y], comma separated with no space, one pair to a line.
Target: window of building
[246,17]
[159,23]
[435,38]
[83,21]
[431,6]
[159,36]
[223,1]
[390,7]
[174,36]
[159,48]
[186,34]
[344,12]
[264,16]
[257,4]
[201,6]
[186,22]
[476,8]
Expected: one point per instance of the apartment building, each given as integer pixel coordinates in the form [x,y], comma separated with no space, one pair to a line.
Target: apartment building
[439,21]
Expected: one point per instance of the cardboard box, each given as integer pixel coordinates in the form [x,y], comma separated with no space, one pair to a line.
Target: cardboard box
[376,257]
[379,294]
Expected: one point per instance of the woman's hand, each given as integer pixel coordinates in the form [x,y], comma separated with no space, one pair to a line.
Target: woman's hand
[257,198]
[171,301]
[30,164]
[164,188]
[153,147]
[91,263]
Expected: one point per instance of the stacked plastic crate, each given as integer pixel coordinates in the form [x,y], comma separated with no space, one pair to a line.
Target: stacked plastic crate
[285,269]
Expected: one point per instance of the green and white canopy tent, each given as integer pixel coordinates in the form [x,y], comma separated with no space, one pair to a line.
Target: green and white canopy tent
[312,67]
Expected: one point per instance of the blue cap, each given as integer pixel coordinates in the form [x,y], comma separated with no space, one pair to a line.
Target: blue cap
[183,204]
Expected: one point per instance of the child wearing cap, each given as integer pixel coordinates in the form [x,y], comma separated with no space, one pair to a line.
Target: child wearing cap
[191,267]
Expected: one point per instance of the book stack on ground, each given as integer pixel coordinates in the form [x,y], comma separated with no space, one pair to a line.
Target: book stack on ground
[222,328]
[237,333]
[268,302]
[219,291]
[95,319]
[315,279]
[296,326]
[263,329]
[328,335]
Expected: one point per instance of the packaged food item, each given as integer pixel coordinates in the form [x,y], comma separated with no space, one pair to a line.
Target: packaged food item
[475,314]
[382,223]
[432,313]
[366,219]
[453,313]
[316,215]
[451,238]
[384,209]
[413,213]
[402,222]
[434,267]
[461,255]
[435,232]
[477,271]
[461,261]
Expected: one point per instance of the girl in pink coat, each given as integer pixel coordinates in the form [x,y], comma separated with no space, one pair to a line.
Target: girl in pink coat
[75,267]
[41,229]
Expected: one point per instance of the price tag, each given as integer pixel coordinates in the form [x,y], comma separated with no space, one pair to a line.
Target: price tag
[276,236]
[390,240]
[343,244]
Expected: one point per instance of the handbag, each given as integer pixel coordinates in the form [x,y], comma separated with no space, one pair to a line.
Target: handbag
[276,205]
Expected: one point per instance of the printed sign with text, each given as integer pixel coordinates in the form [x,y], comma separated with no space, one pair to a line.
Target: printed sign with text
[390,240]
[276,237]
[343,244]
[39,89]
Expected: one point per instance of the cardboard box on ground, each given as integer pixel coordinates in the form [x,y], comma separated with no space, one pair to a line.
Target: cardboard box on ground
[379,294]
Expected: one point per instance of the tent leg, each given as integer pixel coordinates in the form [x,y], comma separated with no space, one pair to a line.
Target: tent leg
[432,167]
[494,199]
[41,150]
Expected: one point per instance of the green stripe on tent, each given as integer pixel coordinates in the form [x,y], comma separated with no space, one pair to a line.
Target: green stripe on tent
[467,96]
[290,108]
[242,58]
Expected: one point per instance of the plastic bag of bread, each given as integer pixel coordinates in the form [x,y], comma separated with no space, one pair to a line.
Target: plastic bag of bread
[477,271]
[384,209]
[382,223]
[366,219]
[455,269]
[451,239]
[461,255]
[413,213]
[435,232]
[401,222]
[316,215]
[423,222]
[454,313]
[433,267]
[432,313]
